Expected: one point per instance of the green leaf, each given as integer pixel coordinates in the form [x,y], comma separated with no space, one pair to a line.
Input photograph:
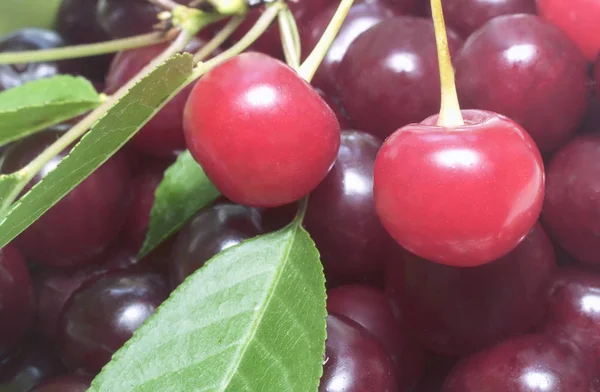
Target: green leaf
[252,319]
[37,105]
[111,132]
[183,191]
[16,14]
[10,186]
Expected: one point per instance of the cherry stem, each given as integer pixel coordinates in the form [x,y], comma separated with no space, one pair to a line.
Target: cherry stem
[302,207]
[168,5]
[309,67]
[450,115]
[219,38]
[290,38]
[77,51]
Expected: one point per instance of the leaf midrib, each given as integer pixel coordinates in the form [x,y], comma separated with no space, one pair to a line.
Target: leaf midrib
[256,322]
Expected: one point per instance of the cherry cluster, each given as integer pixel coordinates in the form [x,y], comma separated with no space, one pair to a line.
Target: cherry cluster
[460,247]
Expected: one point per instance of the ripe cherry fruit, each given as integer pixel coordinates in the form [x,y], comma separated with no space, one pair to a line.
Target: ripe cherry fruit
[265,137]
[460,188]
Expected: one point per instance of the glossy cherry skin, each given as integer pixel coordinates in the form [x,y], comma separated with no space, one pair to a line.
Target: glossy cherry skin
[571,205]
[361,17]
[103,314]
[162,136]
[463,196]
[369,307]
[577,18]
[571,308]
[30,366]
[388,67]
[466,16]
[124,18]
[265,138]
[212,230]
[525,68]
[341,215]
[14,75]
[73,383]
[17,302]
[85,221]
[354,360]
[449,309]
[530,363]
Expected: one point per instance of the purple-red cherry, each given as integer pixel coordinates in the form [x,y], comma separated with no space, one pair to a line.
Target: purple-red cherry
[456,311]
[531,363]
[597,76]
[72,383]
[265,137]
[525,68]
[460,196]
[17,302]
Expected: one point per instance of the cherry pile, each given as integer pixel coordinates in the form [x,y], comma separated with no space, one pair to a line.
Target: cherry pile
[461,253]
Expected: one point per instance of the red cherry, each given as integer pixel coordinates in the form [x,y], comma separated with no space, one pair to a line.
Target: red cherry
[265,137]
[577,18]
[461,196]
[597,75]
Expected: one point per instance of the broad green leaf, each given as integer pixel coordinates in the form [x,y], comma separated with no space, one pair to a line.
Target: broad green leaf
[184,190]
[37,105]
[111,132]
[16,14]
[252,319]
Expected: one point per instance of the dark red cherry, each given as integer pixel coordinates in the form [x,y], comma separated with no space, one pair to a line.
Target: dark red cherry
[405,6]
[212,230]
[466,16]
[13,75]
[571,207]
[361,17]
[17,302]
[460,196]
[162,136]
[265,138]
[31,365]
[85,221]
[578,19]
[369,307]
[72,383]
[572,307]
[103,314]
[597,76]
[387,77]
[456,311]
[437,369]
[531,363]
[336,106]
[525,68]
[341,215]
[354,360]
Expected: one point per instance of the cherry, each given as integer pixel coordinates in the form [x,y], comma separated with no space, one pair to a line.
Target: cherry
[597,76]
[341,215]
[103,314]
[73,383]
[527,69]
[354,360]
[577,18]
[388,67]
[572,310]
[455,311]
[531,363]
[336,106]
[360,18]
[466,16]
[85,221]
[14,75]
[369,307]
[30,366]
[212,230]
[571,208]
[162,136]
[265,138]
[17,303]
[405,6]
[77,23]
[437,369]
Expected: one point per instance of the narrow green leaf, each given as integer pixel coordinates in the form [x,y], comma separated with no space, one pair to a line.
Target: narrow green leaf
[9,188]
[252,319]
[37,105]
[111,132]
[183,191]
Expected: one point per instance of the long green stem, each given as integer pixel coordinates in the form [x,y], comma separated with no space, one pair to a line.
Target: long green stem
[290,38]
[309,66]
[219,38]
[76,51]
[450,115]
[87,122]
